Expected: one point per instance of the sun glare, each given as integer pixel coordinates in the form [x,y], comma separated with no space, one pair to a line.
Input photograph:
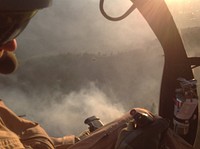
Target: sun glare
[178,1]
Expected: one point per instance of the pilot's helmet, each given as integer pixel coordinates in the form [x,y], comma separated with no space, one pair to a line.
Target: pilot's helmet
[15,15]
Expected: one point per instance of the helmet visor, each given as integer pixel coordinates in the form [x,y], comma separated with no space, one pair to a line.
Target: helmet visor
[13,23]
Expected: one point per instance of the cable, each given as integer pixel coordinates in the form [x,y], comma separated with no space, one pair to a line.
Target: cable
[131,9]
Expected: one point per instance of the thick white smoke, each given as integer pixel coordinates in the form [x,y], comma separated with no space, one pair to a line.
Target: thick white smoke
[66,116]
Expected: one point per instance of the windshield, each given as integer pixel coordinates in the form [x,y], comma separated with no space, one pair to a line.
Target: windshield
[74,63]
[187,18]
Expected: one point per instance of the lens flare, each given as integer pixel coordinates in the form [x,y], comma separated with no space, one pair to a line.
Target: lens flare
[177,1]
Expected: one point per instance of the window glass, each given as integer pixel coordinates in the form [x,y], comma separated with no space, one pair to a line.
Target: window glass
[187,17]
[74,63]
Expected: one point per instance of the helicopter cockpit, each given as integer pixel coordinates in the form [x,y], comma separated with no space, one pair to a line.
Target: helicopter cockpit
[147,57]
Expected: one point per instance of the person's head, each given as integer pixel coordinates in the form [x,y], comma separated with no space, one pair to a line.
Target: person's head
[14,17]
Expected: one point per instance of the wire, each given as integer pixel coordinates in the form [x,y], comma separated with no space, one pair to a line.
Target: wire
[131,9]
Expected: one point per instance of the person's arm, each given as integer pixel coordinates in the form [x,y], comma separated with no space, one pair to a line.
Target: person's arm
[64,142]
[12,121]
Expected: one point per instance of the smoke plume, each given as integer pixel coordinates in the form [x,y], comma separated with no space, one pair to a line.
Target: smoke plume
[68,115]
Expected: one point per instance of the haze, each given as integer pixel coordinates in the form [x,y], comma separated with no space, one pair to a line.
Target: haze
[58,83]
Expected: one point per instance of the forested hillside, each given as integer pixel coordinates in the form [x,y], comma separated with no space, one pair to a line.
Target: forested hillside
[123,76]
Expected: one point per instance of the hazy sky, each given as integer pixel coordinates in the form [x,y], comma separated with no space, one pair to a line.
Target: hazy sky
[186,12]
[79,26]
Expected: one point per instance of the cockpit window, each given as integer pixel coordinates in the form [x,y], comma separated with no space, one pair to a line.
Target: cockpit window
[187,18]
[74,63]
